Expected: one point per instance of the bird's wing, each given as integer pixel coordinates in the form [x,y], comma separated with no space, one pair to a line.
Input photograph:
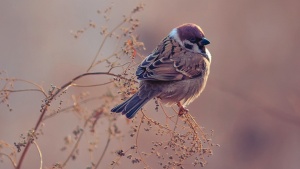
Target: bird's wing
[170,62]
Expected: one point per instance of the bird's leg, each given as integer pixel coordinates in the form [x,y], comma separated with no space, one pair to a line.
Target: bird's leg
[182,110]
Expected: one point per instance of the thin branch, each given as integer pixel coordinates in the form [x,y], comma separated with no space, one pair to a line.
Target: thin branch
[74,149]
[154,122]
[51,97]
[175,126]
[78,140]
[108,57]
[35,84]
[11,160]
[70,107]
[40,153]
[105,148]
[136,140]
[95,85]
[118,66]
[23,90]
[103,42]
[167,116]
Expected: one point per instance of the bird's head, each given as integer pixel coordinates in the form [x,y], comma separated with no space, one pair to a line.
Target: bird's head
[191,37]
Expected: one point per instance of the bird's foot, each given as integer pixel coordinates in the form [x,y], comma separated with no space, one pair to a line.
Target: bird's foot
[182,110]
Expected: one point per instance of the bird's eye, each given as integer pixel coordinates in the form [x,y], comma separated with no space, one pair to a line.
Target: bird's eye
[188,46]
[193,40]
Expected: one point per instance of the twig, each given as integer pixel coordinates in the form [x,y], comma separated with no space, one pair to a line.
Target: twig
[156,123]
[35,84]
[70,107]
[11,160]
[136,140]
[23,90]
[40,153]
[118,66]
[107,58]
[167,116]
[103,42]
[79,138]
[105,148]
[175,125]
[102,84]
[74,149]
[51,97]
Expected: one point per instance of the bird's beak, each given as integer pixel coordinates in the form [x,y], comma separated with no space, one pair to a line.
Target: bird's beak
[204,42]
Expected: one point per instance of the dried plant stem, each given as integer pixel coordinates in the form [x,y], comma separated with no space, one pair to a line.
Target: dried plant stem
[175,126]
[11,160]
[136,140]
[167,116]
[50,98]
[79,138]
[102,84]
[73,150]
[104,151]
[154,122]
[77,142]
[119,158]
[107,58]
[40,153]
[105,148]
[71,107]
[23,90]
[103,42]
[34,84]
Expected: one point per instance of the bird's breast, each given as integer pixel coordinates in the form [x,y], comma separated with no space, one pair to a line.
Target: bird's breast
[184,91]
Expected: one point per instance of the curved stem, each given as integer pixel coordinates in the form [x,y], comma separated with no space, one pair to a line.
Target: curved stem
[51,97]
[11,160]
[95,85]
[105,148]
[72,106]
[103,42]
[36,85]
[136,140]
[24,90]
[73,150]
[40,153]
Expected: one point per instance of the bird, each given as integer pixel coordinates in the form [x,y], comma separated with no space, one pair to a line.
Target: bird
[175,72]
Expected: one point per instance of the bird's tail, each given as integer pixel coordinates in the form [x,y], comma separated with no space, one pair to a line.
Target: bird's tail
[131,106]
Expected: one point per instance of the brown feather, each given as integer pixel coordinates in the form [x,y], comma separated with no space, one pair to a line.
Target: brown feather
[171,63]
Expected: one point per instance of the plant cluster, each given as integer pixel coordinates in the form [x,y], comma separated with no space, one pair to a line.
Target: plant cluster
[175,142]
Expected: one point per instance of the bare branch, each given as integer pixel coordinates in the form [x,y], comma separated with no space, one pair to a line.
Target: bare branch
[105,148]
[50,98]
[10,159]
[40,154]
[103,42]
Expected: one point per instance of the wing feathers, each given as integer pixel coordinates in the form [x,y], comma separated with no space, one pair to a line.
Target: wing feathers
[169,62]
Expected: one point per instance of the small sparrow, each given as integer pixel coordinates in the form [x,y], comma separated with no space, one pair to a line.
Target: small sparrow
[175,72]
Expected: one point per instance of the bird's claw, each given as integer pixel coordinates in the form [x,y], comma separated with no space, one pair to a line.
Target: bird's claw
[182,110]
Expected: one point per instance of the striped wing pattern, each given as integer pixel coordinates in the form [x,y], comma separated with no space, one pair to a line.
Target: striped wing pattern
[170,62]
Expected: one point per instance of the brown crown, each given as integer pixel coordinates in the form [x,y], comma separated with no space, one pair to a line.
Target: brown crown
[189,31]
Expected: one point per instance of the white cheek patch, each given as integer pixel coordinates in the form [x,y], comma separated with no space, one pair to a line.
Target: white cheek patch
[196,48]
[174,34]
[208,54]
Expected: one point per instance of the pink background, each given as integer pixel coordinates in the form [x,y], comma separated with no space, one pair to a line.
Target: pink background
[251,100]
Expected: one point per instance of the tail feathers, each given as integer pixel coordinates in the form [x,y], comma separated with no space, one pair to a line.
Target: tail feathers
[134,105]
[131,106]
[119,108]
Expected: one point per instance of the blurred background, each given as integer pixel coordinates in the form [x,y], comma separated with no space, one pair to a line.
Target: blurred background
[252,99]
